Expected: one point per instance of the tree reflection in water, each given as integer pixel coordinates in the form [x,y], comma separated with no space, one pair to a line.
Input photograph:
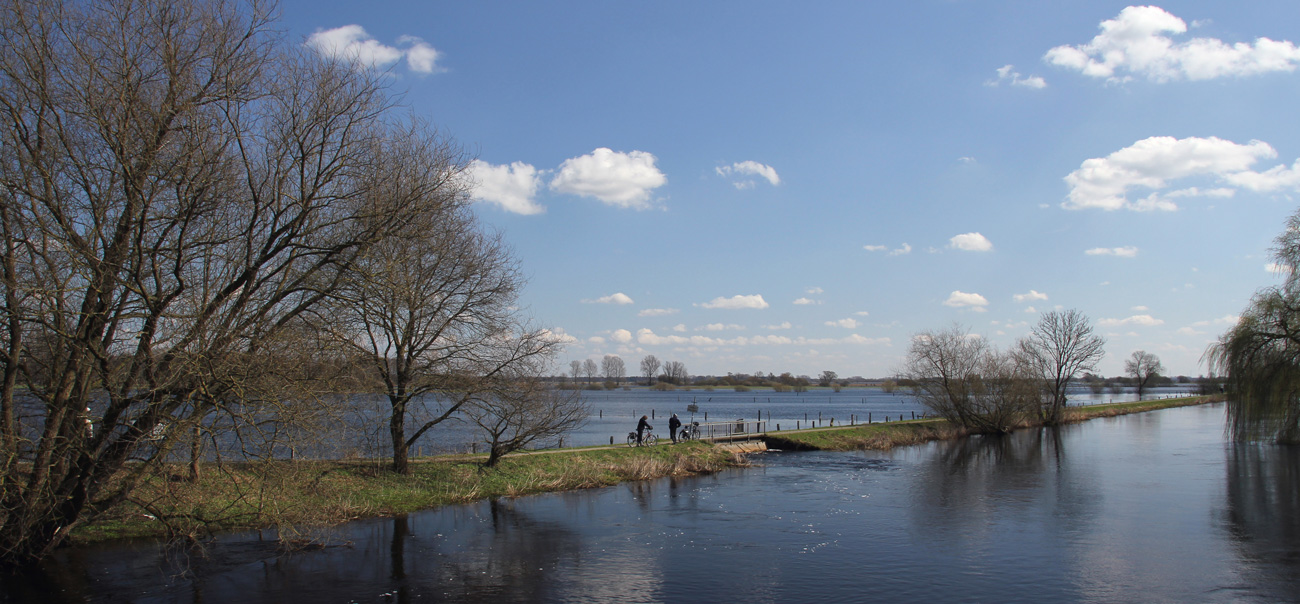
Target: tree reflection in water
[1262,516]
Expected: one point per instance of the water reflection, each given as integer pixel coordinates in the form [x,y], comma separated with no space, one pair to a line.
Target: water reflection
[1262,514]
[1124,509]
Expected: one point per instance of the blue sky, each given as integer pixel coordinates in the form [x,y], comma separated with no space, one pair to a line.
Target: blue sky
[763,186]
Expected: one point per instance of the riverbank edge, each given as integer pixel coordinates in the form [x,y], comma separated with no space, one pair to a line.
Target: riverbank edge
[300,500]
[885,436]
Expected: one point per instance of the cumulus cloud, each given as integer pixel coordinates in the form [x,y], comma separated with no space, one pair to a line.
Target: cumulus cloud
[512,187]
[849,323]
[804,301]
[875,248]
[901,250]
[1127,251]
[721,327]
[1029,297]
[657,312]
[738,301]
[351,43]
[751,168]
[1151,163]
[970,242]
[1136,44]
[961,299]
[647,337]
[618,298]
[1142,320]
[622,336]
[779,326]
[558,336]
[1008,74]
[623,180]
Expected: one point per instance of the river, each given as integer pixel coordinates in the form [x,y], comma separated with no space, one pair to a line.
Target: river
[1154,507]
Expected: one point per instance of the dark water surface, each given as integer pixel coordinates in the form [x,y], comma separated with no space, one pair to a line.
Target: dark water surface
[1156,507]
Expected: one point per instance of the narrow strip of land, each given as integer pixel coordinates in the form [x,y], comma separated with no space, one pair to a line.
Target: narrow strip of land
[298,498]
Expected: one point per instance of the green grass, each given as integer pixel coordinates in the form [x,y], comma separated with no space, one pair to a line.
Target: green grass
[297,497]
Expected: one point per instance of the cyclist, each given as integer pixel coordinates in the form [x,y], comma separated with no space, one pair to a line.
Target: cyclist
[642,426]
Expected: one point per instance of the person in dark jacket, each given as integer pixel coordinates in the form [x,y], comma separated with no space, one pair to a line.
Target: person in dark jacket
[673,425]
[642,426]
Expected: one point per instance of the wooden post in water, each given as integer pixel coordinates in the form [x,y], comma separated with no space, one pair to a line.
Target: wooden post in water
[868,417]
[796,424]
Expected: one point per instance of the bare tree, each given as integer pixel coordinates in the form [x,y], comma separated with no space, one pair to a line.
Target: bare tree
[649,368]
[432,309]
[675,373]
[1144,367]
[589,369]
[1060,347]
[961,378]
[826,378]
[523,412]
[612,367]
[178,192]
[575,367]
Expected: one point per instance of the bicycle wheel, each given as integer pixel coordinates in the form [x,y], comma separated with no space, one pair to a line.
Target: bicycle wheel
[650,440]
[631,439]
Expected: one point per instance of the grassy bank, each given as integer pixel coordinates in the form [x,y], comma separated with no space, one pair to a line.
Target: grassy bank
[896,434]
[299,497]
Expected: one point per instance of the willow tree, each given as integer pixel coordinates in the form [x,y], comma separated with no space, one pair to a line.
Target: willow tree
[1260,355]
[178,190]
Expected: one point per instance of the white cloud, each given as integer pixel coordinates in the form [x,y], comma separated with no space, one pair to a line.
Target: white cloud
[420,57]
[1188,331]
[1031,309]
[1139,308]
[862,313]
[721,327]
[971,242]
[1143,320]
[805,301]
[779,326]
[351,43]
[1127,251]
[875,248]
[750,167]
[738,301]
[618,298]
[1224,320]
[512,187]
[849,323]
[1104,182]
[618,179]
[1007,73]
[596,340]
[680,328]
[558,336]
[1277,268]
[622,336]
[657,312]
[904,249]
[1029,297]
[1135,44]
[648,337]
[960,299]
[815,291]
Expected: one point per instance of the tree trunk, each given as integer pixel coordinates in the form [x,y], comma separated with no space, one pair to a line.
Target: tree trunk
[397,431]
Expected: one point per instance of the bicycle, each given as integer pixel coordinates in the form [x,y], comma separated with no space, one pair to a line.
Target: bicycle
[648,440]
[690,431]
